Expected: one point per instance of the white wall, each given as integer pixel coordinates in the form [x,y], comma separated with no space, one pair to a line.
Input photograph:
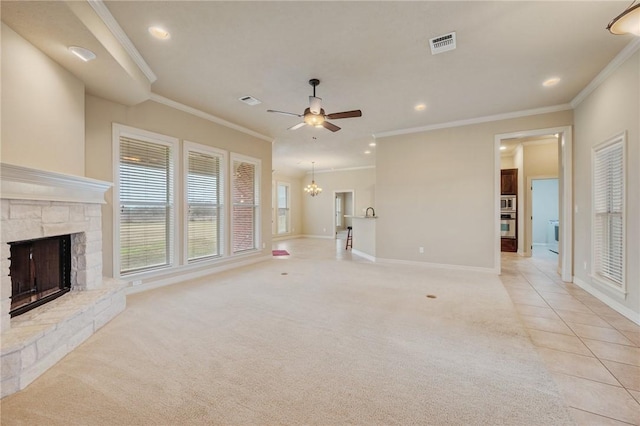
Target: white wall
[437,190]
[612,108]
[42,110]
[318,212]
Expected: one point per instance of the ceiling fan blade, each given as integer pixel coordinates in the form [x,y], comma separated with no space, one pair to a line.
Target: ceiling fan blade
[345,114]
[315,104]
[330,126]
[297,126]
[284,113]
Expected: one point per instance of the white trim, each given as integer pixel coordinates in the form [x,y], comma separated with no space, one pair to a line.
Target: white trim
[363,255]
[196,112]
[347,169]
[174,143]
[107,18]
[607,300]
[25,183]
[184,275]
[437,265]
[620,58]
[477,120]
[188,146]
[324,237]
[565,176]
[286,237]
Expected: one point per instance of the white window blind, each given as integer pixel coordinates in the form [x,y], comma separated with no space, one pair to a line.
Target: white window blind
[608,220]
[204,193]
[283,208]
[245,209]
[146,204]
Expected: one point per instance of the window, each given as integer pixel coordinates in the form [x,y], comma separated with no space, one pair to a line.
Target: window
[245,194]
[282,196]
[204,194]
[144,192]
[608,212]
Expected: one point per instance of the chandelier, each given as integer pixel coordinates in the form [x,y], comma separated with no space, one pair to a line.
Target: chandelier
[313,189]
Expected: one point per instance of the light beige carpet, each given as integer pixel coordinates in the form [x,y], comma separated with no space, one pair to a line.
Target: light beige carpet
[331,342]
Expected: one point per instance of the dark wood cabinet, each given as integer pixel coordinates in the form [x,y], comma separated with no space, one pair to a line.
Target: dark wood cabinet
[509,244]
[509,181]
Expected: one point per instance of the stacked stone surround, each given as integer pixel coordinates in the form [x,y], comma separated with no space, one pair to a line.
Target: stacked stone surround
[34,205]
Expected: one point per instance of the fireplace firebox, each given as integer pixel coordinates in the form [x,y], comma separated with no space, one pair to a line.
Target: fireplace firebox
[40,271]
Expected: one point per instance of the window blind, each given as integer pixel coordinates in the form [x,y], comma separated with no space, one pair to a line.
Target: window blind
[146,204]
[609,200]
[245,206]
[205,206]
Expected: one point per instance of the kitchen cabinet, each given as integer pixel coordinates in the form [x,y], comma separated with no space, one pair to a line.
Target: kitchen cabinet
[509,245]
[509,181]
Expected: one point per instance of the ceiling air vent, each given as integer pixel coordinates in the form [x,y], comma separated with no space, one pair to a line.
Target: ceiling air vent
[249,100]
[443,43]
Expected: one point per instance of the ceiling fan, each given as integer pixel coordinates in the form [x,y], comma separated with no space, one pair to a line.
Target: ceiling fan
[315,116]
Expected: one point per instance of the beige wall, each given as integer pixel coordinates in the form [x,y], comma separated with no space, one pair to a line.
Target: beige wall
[540,160]
[317,216]
[437,190]
[612,108]
[295,185]
[506,162]
[155,117]
[42,110]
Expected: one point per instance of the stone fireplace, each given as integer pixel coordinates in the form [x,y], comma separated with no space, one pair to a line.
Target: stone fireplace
[35,205]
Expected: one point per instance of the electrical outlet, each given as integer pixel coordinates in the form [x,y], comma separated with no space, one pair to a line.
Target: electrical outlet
[264,245]
[136,282]
[421,249]
[584,265]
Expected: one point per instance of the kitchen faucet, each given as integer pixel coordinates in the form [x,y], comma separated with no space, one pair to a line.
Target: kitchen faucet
[366,214]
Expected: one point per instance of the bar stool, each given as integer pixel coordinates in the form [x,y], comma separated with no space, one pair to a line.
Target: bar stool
[349,238]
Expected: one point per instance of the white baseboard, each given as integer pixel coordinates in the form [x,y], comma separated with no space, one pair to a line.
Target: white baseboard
[439,265]
[607,300]
[285,237]
[363,254]
[209,270]
[326,237]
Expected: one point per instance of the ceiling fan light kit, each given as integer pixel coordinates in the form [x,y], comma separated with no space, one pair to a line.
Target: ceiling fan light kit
[628,22]
[315,116]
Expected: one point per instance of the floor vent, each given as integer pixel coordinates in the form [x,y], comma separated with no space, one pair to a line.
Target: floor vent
[249,100]
[443,43]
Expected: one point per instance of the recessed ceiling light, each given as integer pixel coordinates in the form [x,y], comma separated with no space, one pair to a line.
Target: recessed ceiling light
[420,107]
[159,33]
[372,144]
[502,148]
[82,53]
[367,152]
[551,81]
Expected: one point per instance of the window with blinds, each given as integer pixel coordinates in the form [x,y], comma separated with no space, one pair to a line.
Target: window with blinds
[608,212]
[204,196]
[146,211]
[283,208]
[245,199]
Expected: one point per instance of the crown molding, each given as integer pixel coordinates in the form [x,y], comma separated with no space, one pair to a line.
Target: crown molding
[477,120]
[620,58]
[193,111]
[346,169]
[103,12]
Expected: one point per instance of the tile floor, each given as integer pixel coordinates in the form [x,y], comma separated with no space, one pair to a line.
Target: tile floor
[592,351]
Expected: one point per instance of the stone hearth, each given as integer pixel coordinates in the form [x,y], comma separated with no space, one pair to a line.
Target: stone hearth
[38,204]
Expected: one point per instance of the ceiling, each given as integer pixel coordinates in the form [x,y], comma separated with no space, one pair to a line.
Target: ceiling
[372,56]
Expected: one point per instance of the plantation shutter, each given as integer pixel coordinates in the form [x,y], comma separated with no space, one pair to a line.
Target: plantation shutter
[146,205]
[245,204]
[608,210]
[204,199]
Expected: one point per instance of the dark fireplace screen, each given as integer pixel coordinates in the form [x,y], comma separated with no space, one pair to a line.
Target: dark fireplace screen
[40,271]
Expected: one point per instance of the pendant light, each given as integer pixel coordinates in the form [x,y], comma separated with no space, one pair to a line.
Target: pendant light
[628,22]
[313,189]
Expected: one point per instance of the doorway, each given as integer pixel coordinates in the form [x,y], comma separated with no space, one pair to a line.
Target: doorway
[343,207]
[565,207]
[545,223]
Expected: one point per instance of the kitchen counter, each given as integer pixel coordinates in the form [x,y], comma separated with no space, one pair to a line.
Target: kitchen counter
[364,236]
